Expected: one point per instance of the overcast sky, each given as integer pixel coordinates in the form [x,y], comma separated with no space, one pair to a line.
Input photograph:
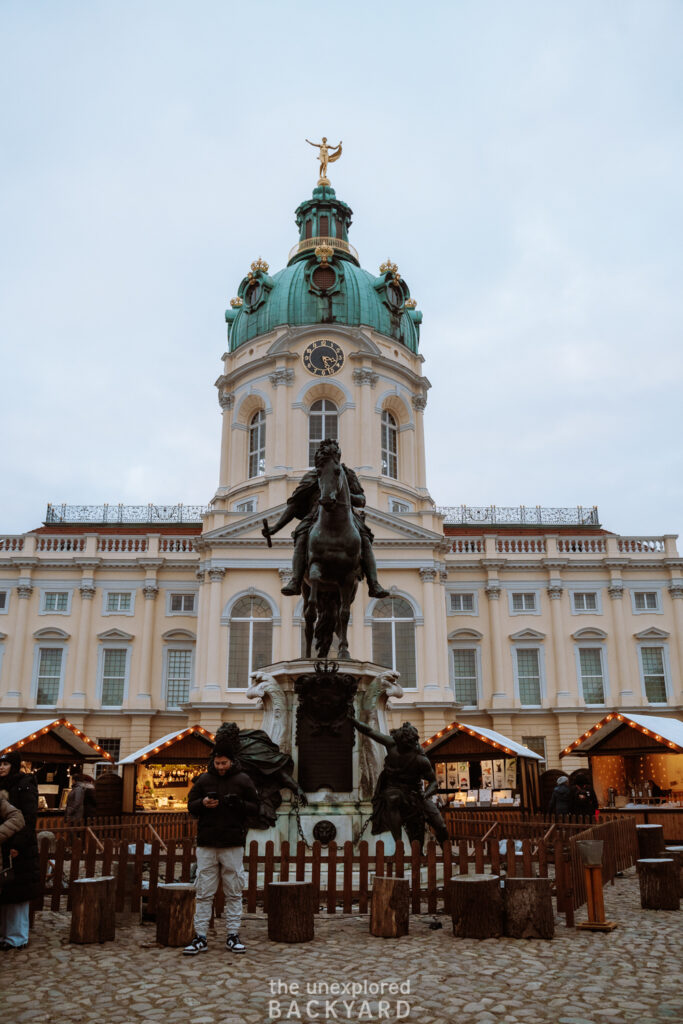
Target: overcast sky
[521,162]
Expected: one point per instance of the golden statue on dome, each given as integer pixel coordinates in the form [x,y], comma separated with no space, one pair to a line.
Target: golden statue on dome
[326,155]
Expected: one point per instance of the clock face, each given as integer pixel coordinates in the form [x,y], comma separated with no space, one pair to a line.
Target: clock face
[323,358]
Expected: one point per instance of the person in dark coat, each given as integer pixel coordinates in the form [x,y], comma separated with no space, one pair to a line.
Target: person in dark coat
[561,802]
[584,799]
[81,804]
[222,799]
[20,852]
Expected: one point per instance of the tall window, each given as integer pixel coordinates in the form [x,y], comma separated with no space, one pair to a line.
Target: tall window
[111,744]
[251,639]
[393,638]
[178,676]
[322,423]
[257,444]
[49,675]
[113,676]
[537,744]
[56,601]
[465,676]
[389,453]
[529,676]
[592,682]
[654,677]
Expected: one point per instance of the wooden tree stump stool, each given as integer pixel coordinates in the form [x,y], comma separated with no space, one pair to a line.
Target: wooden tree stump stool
[93,910]
[658,884]
[390,907]
[476,906]
[650,841]
[175,913]
[528,904]
[291,911]
[676,854]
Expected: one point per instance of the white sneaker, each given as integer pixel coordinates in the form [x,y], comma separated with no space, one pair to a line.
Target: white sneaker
[234,944]
[198,945]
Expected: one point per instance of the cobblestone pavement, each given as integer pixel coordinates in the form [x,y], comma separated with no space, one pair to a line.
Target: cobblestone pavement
[631,974]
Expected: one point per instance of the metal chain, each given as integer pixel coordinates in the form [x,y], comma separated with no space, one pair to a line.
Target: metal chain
[296,805]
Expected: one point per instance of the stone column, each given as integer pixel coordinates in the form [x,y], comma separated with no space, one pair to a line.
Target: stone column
[624,649]
[78,697]
[366,380]
[226,402]
[20,692]
[676,592]
[419,405]
[499,695]
[277,428]
[214,681]
[566,692]
[430,652]
[143,698]
[202,632]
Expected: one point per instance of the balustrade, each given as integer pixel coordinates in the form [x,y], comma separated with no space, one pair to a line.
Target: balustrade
[582,545]
[132,545]
[51,543]
[468,545]
[11,543]
[641,545]
[520,545]
[178,545]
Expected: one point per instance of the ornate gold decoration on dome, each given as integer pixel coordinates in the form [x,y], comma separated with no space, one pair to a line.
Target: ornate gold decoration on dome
[258,265]
[236,303]
[411,304]
[326,155]
[324,253]
[390,268]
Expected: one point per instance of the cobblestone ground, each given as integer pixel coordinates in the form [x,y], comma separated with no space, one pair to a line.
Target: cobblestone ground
[632,974]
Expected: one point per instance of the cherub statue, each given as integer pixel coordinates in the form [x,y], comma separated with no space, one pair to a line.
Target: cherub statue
[399,800]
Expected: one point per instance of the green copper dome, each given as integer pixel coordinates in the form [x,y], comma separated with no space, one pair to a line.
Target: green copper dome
[323,283]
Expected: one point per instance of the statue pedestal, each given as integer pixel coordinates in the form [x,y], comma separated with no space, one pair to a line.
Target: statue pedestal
[306,706]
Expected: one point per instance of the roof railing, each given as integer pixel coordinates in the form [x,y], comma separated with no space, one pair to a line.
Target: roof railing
[312,243]
[518,515]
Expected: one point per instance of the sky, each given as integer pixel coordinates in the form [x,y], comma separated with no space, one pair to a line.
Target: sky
[521,162]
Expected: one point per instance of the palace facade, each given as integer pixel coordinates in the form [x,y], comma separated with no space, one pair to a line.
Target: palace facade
[132,622]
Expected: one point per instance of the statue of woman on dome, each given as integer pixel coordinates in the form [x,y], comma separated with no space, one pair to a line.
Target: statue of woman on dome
[326,155]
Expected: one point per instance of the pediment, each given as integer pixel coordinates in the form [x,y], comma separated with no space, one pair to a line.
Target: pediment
[465,634]
[653,633]
[359,338]
[51,633]
[115,634]
[388,529]
[527,634]
[179,634]
[590,633]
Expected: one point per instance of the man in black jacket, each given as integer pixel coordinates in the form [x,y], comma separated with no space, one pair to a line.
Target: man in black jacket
[221,799]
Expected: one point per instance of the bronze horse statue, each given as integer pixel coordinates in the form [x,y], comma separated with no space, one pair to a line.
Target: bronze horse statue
[333,563]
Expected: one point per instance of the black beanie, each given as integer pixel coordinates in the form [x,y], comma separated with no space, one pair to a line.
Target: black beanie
[227,741]
[14,758]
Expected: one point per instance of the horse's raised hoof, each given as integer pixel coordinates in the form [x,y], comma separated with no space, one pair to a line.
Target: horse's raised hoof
[376,590]
[291,589]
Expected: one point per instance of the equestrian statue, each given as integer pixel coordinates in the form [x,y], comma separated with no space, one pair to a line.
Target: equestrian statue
[332,548]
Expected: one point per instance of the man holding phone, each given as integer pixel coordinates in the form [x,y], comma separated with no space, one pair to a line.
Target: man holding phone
[221,799]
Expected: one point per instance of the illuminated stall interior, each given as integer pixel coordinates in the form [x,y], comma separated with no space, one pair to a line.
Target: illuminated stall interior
[634,759]
[158,777]
[480,768]
[52,750]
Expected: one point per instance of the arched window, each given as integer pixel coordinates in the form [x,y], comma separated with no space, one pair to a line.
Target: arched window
[322,423]
[251,639]
[257,444]
[393,638]
[389,453]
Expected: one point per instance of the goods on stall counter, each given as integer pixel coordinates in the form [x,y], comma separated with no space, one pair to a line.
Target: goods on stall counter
[487,774]
[463,775]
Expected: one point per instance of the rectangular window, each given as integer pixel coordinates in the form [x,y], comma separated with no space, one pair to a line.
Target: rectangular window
[537,744]
[398,506]
[524,602]
[182,603]
[111,745]
[645,600]
[465,676]
[654,678]
[49,675]
[178,677]
[529,676]
[119,602]
[113,676]
[3,600]
[56,601]
[592,681]
[246,506]
[462,602]
[585,602]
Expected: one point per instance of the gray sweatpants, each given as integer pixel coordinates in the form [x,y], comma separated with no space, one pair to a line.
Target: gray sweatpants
[227,863]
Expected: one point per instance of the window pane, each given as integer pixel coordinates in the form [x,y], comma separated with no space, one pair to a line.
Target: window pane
[322,423]
[528,675]
[535,743]
[238,655]
[111,744]
[56,602]
[381,644]
[405,653]
[179,677]
[49,673]
[257,444]
[113,677]
[262,640]
[389,445]
[590,660]
[653,674]
[251,639]
[465,675]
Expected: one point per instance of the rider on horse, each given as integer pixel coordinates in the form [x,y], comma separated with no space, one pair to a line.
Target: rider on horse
[303,505]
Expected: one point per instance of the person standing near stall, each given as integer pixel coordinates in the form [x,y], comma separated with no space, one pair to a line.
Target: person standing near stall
[20,852]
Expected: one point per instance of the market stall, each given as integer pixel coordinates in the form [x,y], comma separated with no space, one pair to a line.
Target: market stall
[53,750]
[158,777]
[480,768]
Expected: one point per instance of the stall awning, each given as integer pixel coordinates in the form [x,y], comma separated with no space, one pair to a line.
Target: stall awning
[162,745]
[662,734]
[29,739]
[502,745]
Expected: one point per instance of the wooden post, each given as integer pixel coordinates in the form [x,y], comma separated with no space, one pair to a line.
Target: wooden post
[476,906]
[650,841]
[658,883]
[175,913]
[528,906]
[93,917]
[389,907]
[676,854]
[291,911]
